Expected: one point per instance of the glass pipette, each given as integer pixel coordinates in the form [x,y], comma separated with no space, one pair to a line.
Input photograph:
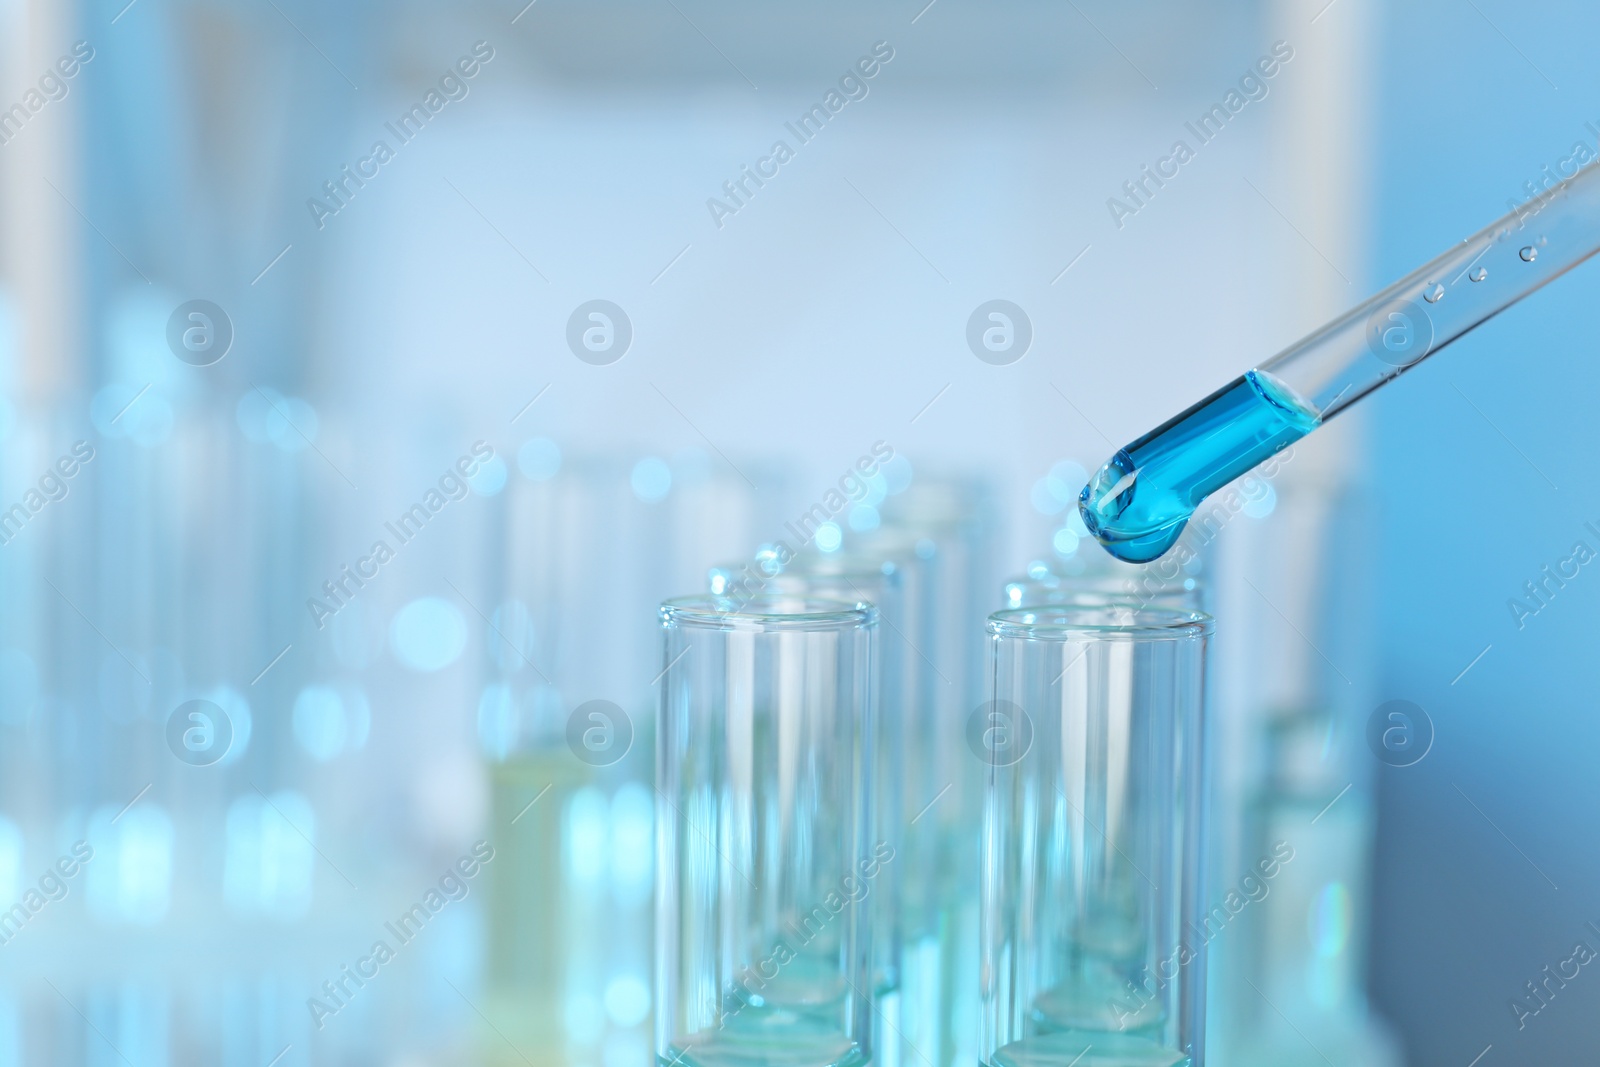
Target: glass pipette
[1137,504]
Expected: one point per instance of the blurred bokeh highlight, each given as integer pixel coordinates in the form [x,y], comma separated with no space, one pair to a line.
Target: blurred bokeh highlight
[242,347]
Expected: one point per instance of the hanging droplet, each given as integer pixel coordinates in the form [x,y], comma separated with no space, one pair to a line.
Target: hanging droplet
[1434,295]
[1480,274]
[1529,254]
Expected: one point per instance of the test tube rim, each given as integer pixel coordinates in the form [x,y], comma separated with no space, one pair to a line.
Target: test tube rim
[1102,584]
[1092,598]
[1065,622]
[767,612]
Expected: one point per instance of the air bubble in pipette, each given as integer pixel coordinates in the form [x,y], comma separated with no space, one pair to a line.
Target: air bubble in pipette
[1138,503]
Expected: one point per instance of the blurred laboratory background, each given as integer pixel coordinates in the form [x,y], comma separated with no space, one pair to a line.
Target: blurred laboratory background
[369,373]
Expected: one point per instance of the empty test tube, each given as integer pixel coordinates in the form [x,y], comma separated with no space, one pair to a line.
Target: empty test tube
[1092,940]
[765,862]
[852,577]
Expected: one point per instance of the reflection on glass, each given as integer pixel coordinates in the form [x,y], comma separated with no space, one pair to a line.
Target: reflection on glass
[1091,878]
[765,857]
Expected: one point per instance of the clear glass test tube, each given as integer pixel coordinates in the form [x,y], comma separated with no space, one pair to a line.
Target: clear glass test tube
[932,1014]
[944,530]
[765,860]
[1092,943]
[852,577]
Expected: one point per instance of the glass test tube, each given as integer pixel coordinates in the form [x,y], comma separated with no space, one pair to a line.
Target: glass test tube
[1142,587]
[764,851]
[1305,949]
[530,675]
[928,1013]
[1092,947]
[941,538]
[852,577]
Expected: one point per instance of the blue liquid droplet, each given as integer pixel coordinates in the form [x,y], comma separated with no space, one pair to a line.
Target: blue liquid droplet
[1139,502]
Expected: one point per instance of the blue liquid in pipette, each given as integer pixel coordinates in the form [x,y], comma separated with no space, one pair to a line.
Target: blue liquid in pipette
[1137,504]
